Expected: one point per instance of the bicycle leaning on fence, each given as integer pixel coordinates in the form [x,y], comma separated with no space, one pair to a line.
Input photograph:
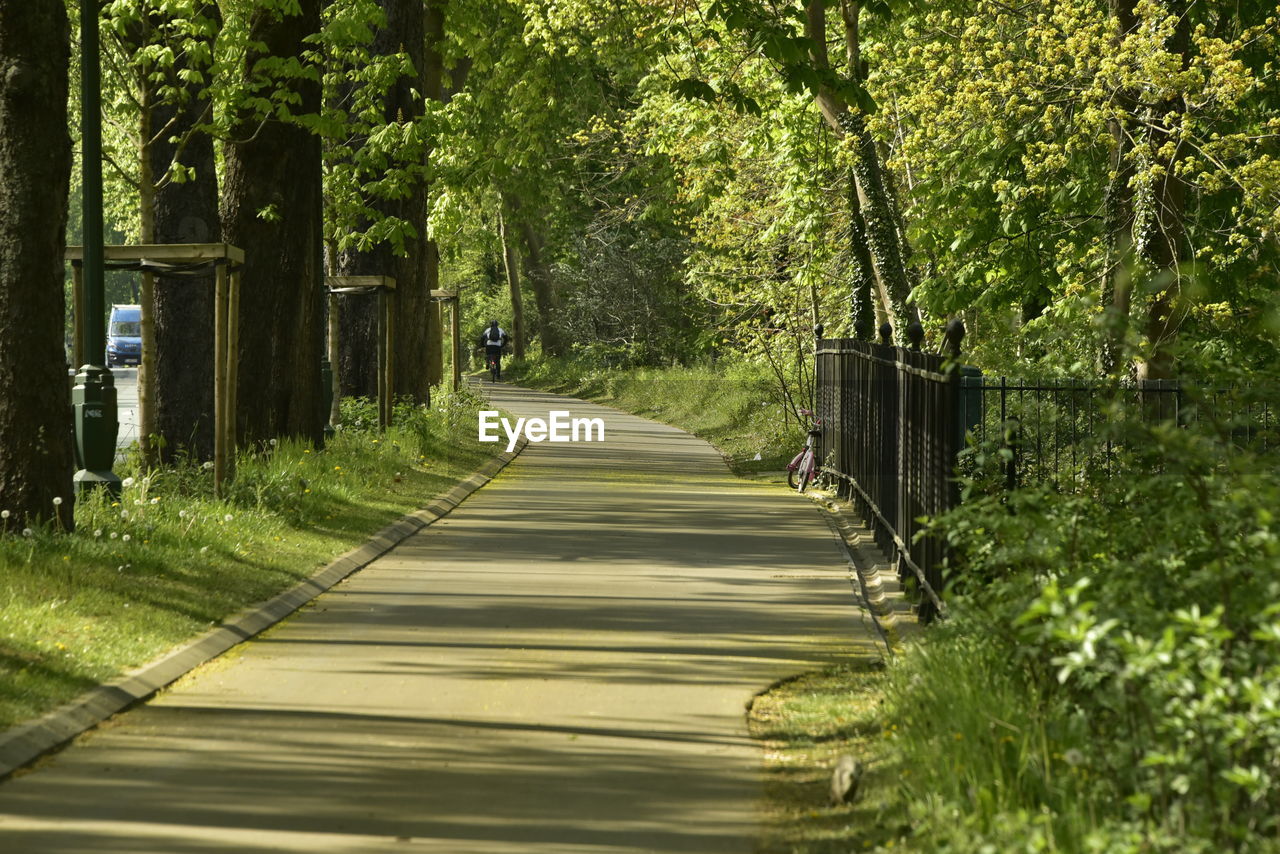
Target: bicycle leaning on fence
[802,471]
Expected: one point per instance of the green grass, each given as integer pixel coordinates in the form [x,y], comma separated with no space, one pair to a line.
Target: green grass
[166,561]
[738,407]
[805,725]
[992,764]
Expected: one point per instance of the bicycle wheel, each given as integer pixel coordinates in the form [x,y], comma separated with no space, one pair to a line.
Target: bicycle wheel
[493,370]
[801,476]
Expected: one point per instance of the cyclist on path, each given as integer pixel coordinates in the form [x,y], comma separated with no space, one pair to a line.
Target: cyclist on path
[493,340]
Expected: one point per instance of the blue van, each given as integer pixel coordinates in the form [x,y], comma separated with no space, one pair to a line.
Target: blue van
[124,335]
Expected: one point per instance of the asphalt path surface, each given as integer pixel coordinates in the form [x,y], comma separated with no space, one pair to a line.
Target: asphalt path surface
[561,665]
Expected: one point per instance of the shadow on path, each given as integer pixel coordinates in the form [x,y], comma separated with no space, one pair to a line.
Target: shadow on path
[561,665]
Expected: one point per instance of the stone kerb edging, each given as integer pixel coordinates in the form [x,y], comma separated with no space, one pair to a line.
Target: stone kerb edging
[22,744]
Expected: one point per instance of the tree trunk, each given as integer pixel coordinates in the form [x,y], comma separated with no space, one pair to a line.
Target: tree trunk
[880,219]
[434,89]
[1118,210]
[543,291]
[271,208]
[1160,228]
[357,364]
[863,305]
[36,454]
[511,266]
[406,31]
[1145,223]
[184,212]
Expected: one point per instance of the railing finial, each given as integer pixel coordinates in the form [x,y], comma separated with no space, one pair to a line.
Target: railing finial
[886,333]
[915,334]
[817,330]
[952,337]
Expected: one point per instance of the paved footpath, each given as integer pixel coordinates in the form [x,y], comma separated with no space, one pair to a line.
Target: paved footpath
[560,665]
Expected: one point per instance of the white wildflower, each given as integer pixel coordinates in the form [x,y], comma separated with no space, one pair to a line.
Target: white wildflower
[127,482]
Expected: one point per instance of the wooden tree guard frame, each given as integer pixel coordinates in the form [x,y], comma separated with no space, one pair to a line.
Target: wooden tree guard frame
[227,261]
[451,297]
[385,288]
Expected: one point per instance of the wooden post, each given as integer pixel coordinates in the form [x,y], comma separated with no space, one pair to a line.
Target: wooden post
[455,322]
[391,354]
[146,384]
[335,408]
[233,367]
[220,415]
[228,260]
[382,359]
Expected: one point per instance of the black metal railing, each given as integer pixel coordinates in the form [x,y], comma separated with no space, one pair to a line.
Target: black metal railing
[894,421]
[890,437]
[1052,428]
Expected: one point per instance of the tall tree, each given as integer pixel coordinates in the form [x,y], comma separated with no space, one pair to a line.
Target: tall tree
[434,89]
[409,21]
[159,58]
[876,205]
[35,169]
[376,185]
[181,166]
[542,280]
[511,267]
[271,208]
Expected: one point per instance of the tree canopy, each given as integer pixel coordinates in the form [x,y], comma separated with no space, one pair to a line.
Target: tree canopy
[1093,187]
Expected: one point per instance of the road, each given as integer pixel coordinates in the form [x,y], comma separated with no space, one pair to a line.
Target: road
[126,405]
[560,666]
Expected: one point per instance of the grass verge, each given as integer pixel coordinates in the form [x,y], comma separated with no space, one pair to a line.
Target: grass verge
[805,725]
[165,561]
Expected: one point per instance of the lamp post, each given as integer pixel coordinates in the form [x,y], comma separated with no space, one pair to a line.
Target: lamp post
[93,398]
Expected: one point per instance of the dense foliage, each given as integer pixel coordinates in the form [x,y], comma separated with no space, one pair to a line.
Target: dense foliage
[1113,663]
